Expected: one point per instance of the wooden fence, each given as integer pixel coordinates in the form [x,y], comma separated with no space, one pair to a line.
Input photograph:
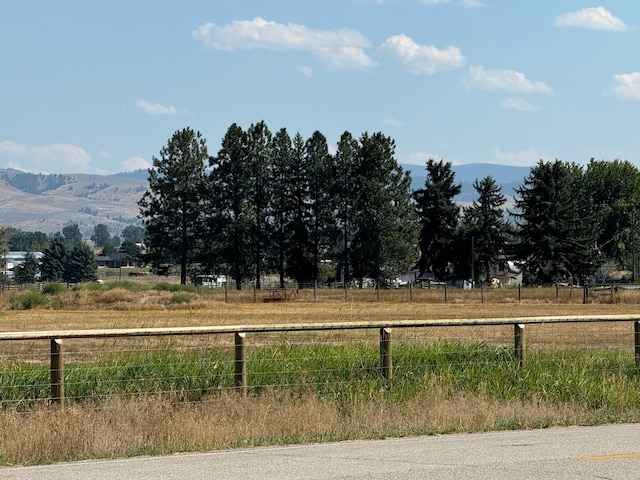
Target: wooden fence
[240,333]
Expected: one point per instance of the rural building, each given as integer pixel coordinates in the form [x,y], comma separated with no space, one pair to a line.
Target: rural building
[116,260]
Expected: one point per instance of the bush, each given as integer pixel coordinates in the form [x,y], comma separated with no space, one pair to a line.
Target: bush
[52,288]
[181,297]
[27,300]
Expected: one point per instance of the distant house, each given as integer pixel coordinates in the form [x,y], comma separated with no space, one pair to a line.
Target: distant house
[12,259]
[116,260]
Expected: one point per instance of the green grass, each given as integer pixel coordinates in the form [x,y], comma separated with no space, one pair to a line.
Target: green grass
[598,380]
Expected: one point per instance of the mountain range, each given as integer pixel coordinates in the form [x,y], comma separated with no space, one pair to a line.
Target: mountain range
[46,203]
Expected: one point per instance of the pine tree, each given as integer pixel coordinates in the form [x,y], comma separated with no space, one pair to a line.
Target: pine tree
[384,243]
[438,215]
[484,223]
[172,209]
[230,187]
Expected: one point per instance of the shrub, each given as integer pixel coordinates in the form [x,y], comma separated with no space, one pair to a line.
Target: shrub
[181,297]
[52,288]
[27,300]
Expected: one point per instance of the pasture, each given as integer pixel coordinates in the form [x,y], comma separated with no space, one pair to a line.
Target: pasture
[145,396]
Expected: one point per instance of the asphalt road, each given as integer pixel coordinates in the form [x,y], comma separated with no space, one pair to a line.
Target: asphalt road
[604,452]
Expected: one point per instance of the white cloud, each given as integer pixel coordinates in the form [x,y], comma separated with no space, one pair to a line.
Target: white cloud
[521,104]
[422,58]
[157,108]
[523,158]
[135,163]
[509,80]
[53,158]
[338,48]
[597,18]
[626,86]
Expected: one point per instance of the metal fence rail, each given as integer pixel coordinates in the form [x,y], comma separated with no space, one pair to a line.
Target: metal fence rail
[234,340]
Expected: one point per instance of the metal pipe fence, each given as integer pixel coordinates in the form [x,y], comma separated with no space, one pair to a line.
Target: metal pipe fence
[190,363]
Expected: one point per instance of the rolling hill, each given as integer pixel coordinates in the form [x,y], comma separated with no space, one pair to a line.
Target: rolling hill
[47,203]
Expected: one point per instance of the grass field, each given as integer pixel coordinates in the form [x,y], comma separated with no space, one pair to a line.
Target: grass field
[310,387]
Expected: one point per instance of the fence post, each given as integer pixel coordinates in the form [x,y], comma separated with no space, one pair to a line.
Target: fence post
[585,294]
[519,293]
[377,291]
[519,343]
[386,361]
[411,290]
[240,377]
[57,373]
[226,298]
[482,292]
[445,292]
[636,336]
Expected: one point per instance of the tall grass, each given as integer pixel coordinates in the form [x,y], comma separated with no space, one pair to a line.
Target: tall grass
[173,400]
[593,378]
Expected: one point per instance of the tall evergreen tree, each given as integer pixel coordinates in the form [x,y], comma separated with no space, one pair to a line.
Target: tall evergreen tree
[319,178]
[231,187]
[299,257]
[27,271]
[484,223]
[345,195]
[281,172]
[385,240]
[172,209]
[259,156]
[438,215]
[80,264]
[53,261]
[615,191]
[555,224]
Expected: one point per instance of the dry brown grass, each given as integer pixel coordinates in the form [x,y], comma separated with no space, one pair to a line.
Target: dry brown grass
[118,427]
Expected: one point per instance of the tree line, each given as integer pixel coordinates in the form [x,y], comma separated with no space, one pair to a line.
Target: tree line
[284,205]
[66,257]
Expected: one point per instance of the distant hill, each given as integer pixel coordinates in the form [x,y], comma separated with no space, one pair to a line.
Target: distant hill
[507,177]
[46,203]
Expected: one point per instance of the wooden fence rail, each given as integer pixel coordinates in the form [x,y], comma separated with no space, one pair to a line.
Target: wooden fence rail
[240,332]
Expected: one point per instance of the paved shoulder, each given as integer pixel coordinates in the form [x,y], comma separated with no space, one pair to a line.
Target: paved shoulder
[611,451]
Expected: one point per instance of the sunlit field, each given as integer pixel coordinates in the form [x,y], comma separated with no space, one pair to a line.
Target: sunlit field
[157,395]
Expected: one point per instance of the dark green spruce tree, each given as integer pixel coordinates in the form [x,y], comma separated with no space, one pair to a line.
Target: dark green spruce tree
[555,224]
[52,263]
[438,216]
[485,227]
[27,272]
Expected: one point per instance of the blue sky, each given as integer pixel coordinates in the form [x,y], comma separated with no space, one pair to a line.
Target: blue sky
[100,87]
